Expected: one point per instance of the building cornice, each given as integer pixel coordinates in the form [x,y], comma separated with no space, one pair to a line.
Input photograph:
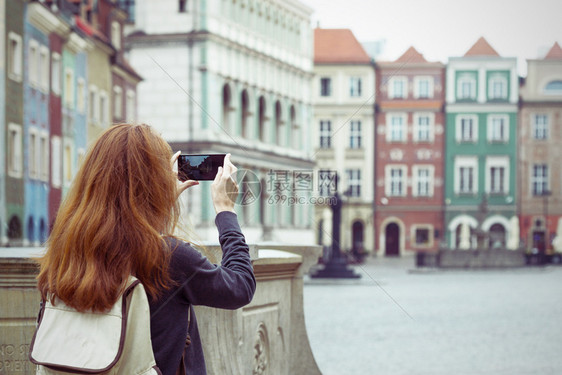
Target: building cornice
[120,71]
[148,40]
[76,43]
[449,108]
[42,18]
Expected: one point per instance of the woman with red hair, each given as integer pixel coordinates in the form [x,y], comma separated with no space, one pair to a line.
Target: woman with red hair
[118,219]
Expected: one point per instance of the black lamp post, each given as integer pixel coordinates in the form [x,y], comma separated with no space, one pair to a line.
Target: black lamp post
[336,267]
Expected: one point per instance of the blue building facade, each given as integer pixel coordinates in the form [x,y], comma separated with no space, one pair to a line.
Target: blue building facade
[36,133]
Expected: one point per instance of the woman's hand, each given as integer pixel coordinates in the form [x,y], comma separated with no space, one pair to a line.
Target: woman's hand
[182,186]
[224,189]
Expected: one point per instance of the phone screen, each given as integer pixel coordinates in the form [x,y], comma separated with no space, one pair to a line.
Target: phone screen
[199,167]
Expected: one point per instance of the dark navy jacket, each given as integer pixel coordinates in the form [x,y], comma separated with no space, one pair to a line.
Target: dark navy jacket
[199,282]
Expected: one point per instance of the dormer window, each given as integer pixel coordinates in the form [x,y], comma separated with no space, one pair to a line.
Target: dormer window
[116,35]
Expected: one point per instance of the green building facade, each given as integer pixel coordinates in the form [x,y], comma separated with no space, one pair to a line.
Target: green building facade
[480,150]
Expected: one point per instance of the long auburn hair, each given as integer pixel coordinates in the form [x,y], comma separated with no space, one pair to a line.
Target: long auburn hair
[112,221]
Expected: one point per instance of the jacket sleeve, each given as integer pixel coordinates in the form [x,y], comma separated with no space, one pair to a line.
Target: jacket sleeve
[230,285]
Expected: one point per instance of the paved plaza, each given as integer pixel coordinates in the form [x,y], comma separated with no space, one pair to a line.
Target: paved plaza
[397,320]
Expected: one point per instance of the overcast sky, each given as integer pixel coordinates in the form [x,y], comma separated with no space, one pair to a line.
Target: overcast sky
[439,29]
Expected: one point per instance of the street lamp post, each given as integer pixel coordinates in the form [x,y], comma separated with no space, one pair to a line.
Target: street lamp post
[336,267]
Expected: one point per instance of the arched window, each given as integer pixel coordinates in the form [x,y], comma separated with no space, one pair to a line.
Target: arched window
[244,112]
[357,243]
[42,231]
[226,107]
[30,229]
[497,236]
[553,87]
[14,228]
[295,130]
[262,119]
[279,124]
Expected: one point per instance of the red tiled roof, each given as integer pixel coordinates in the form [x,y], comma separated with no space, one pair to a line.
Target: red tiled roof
[338,46]
[481,48]
[411,56]
[555,53]
[89,29]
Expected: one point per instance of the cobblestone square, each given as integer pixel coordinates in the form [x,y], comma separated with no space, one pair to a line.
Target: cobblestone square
[398,320]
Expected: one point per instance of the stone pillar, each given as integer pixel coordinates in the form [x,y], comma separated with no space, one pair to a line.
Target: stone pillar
[19,306]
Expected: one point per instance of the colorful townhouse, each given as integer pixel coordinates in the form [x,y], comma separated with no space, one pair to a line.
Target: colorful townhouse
[409,144]
[540,153]
[481,149]
[3,154]
[14,122]
[51,107]
[36,82]
[343,93]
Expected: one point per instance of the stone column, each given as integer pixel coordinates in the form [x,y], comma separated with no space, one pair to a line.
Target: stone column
[19,306]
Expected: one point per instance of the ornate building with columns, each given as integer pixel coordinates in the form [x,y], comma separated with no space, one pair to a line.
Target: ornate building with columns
[224,76]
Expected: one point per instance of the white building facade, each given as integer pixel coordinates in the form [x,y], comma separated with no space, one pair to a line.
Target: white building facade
[233,76]
[344,97]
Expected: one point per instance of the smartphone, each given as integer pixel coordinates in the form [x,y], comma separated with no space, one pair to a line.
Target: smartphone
[202,167]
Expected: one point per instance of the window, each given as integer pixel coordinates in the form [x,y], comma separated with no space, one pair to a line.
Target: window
[56,73]
[67,165]
[422,185]
[398,88]
[116,35]
[353,182]
[423,127]
[93,112]
[104,109]
[498,130]
[325,134]
[44,68]
[466,175]
[129,7]
[118,103]
[467,129]
[44,156]
[466,86]
[497,87]
[540,126]
[81,95]
[327,184]
[396,128]
[14,151]
[355,87]
[14,56]
[32,153]
[422,235]
[497,174]
[466,179]
[131,105]
[395,180]
[539,179]
[423,87]
[553,88]
[325,86]
[355,134]
[182,6]
[56,163]
[69,88]
[33,63]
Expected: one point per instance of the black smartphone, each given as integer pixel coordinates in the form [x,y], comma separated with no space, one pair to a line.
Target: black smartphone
[199,167]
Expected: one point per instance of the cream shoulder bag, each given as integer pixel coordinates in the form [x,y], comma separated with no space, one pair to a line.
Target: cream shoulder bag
[116,342]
